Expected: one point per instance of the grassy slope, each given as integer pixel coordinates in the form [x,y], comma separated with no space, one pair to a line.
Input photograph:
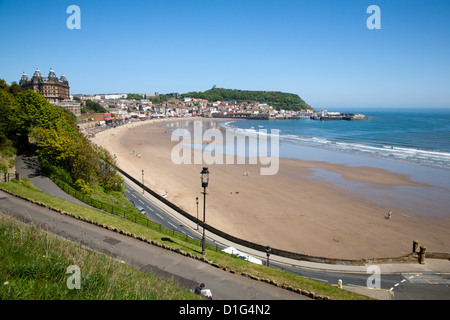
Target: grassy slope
[178,242]
[33,266]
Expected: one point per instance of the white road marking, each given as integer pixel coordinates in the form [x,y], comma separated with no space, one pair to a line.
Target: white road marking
[172,224]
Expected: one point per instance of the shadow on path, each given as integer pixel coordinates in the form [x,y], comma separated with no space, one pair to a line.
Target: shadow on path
[27,165]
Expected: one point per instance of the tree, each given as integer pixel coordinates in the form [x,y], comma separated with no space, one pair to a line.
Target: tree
[29,121]
[278,100]
[94,107]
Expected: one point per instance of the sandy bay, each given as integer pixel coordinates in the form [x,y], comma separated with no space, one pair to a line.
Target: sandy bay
[295,209]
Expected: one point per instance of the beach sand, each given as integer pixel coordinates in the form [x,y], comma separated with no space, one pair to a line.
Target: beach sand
[294,210]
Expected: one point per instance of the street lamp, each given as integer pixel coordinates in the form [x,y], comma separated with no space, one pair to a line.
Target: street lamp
[142,181]
[196,200]
[268,250]
[205,180]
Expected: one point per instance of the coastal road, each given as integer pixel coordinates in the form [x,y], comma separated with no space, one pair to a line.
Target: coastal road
[156,212]
[399,283]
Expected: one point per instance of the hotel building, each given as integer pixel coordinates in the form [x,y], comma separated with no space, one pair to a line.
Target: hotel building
[54,89]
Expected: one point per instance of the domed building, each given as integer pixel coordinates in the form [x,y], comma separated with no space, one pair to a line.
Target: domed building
[54,89]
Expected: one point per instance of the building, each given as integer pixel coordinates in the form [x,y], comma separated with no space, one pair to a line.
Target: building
[72,106]
[54,89]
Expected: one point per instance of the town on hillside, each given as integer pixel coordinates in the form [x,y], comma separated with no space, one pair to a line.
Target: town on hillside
[99,110]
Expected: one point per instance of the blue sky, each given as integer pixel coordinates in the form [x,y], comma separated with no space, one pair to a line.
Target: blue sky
[321,50]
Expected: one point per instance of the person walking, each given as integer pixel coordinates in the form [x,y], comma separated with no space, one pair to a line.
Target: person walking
[389,214]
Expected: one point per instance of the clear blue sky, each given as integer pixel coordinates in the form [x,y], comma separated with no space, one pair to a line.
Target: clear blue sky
[321,50]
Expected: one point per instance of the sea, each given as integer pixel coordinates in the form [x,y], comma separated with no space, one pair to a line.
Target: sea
[413,136]
[414,142]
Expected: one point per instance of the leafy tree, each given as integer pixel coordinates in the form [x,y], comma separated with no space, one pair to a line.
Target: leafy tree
[94,107]
[28,120]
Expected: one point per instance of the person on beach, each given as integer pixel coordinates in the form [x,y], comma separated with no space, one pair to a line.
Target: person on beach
[389,214]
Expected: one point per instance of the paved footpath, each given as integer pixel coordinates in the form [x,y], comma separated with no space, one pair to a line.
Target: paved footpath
[28,167]
[187,272]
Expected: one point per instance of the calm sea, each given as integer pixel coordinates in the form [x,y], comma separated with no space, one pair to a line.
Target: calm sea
[411,142]
[413,136]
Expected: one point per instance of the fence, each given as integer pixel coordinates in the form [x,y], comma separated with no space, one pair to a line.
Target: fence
[6,177]
[135,217]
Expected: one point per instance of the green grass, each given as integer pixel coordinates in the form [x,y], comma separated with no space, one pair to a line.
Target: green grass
[34,264]
[178,241]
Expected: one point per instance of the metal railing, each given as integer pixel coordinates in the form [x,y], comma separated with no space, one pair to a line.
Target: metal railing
[135,217]
[6,177]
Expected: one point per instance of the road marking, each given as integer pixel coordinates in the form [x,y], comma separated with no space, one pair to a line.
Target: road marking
[134,196]
[323,280]
[355,285]
[172,224]
[141,201]
[159,216]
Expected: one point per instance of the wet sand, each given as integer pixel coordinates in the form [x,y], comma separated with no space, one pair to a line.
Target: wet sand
[296,209]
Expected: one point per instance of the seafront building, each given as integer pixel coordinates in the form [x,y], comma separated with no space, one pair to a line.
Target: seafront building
[55,90]
[72,106]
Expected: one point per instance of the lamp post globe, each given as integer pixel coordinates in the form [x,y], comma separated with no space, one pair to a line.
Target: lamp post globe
[205,177]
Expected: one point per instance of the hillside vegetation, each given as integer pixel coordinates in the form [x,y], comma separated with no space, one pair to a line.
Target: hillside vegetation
[278,100]
[31,124]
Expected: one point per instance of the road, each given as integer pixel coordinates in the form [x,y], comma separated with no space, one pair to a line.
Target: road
[399,282]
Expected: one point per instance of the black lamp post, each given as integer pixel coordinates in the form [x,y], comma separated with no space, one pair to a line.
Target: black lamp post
[268,249]
[142,181]
[205,180]
[196,200]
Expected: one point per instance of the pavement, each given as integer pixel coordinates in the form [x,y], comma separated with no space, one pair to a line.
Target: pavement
[28,167]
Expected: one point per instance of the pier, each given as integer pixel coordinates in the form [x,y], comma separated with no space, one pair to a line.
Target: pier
[325,116]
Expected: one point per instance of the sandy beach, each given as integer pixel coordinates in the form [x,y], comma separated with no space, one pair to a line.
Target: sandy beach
[294,210]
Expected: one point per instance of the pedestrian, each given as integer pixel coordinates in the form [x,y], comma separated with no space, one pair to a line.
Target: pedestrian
[199,288]
[389,214]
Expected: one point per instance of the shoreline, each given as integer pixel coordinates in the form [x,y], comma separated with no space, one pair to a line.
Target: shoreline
[295,210]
